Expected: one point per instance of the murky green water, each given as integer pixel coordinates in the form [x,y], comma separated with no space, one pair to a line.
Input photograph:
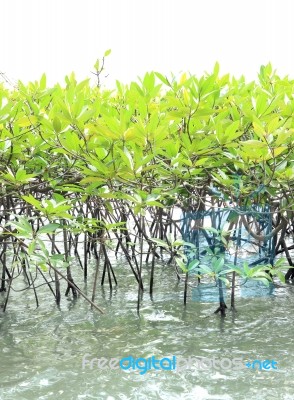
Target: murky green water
[42,349]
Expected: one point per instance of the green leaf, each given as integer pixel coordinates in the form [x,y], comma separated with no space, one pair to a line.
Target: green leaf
[213,230]
[162,78]
[160,243]
[96,65]
[23,227]
[43,267]
[232,129]
[56,124]
[261,104]
[70,141]
[181,264]
[204,269]
[31,247]
[57,257]
[281,262]
[31,200]
[216,69]
[263,280]
[42,247]
[224,280]
[27,121]
[218,264]
[48,228]
[43,82]
[246,268]
[236,269]
[193,264]
[154,203]
[280,275]
[178,242]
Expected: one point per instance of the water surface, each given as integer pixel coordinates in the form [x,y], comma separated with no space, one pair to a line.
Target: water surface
[42,349]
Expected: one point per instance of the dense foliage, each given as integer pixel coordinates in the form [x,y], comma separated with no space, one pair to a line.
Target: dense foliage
[83,160]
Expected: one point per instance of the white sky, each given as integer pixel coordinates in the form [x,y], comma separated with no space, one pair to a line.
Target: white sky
[60,36]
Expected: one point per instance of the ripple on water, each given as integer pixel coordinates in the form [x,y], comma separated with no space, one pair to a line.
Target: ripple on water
[41,349]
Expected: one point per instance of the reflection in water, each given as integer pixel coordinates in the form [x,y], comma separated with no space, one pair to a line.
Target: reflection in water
[42,350]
